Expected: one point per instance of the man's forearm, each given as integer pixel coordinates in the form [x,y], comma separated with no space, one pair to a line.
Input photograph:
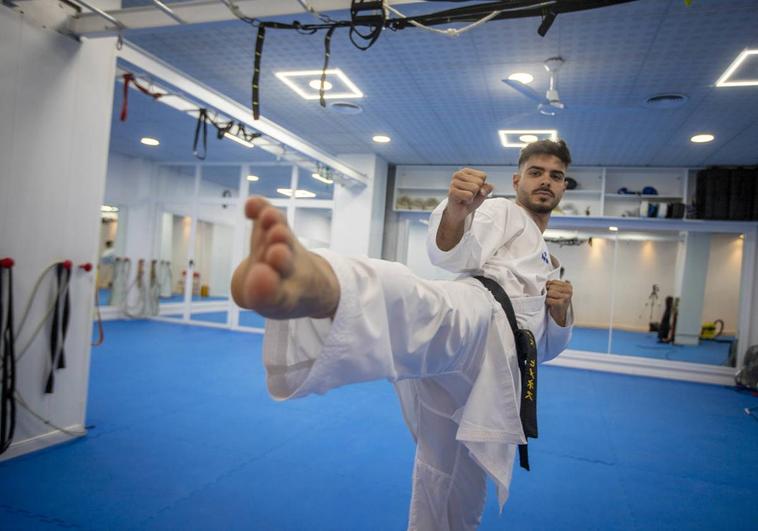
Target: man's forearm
[449,232]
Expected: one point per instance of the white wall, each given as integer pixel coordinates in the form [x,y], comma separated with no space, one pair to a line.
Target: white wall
[313,226]
[723,284]
[55,102]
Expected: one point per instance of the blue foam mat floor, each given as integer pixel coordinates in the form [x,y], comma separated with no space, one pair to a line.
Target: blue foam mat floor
[184,436]
[645,345]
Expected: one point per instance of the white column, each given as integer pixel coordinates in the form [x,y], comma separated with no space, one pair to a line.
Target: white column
[358,218]
[691,289]
[56,97]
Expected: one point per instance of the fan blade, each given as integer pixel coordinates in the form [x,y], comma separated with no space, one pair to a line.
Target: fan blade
[526,91]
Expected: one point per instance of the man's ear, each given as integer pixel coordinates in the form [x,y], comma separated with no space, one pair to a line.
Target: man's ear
[516,179]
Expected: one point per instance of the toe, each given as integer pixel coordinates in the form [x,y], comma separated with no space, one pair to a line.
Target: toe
[279,256]
[254,206]
[269,217]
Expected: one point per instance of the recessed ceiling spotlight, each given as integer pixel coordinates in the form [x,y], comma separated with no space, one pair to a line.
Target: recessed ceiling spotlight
[315,84]
[743,57]
[149,141]
[521,77]
[514,137]
[613,229]
[528,138]
[305,89]
[702,138]
[253,178]
[381,139]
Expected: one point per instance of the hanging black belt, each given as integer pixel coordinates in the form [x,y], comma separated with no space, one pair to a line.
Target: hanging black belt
[526,349]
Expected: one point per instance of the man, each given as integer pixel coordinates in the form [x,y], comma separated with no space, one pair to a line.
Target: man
[446,345]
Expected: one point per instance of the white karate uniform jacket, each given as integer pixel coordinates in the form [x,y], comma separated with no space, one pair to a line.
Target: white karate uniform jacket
[448,348]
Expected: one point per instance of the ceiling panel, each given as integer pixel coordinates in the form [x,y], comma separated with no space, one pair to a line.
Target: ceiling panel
[442,100]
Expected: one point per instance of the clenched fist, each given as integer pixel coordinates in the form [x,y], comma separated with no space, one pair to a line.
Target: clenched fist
[468,190]
[558,300]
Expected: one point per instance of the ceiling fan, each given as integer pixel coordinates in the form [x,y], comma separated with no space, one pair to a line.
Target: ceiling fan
[550,104]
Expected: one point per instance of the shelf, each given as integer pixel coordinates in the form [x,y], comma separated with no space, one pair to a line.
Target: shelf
[640,197]
[582,192]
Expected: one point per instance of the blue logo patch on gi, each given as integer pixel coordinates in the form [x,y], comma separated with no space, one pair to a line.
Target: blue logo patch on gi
[545,257]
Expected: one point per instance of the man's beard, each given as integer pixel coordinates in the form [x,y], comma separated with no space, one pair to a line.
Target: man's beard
[538,207]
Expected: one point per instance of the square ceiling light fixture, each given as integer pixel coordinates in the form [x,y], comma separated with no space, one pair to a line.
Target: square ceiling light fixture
[306,84]
[742,72]
[517,138]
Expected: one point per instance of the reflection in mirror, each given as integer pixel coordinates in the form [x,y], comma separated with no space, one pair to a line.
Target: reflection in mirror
[175,181]
[174,233]
[266,181]
[677,296]
[586,258]
[219,181]
[212,272]
[111,246]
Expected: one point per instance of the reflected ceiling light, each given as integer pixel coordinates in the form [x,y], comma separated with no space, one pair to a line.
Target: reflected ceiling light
[381,139]
[253,178]
[723,81]
[702,138]
[315,84]
[108,208]
[291,79]
[521,77]
[514,137]
[240,141]
[528,138]
[613,229]
[149,141]
[324,180]
[299,194]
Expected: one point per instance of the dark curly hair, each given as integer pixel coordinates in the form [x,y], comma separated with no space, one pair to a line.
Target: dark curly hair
[546,147]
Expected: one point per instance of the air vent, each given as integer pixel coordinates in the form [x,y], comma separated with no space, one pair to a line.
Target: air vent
[345,107]
[666,101]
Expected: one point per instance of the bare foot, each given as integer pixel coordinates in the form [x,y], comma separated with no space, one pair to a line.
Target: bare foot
[280,279]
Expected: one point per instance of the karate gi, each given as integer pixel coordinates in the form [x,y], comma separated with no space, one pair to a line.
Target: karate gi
[446,345]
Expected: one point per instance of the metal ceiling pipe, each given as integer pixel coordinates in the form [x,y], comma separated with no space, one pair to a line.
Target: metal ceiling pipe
[168,11]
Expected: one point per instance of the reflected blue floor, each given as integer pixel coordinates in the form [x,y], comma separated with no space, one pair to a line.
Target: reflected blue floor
[645,344]
[247,318]
[103,294]
[184,436]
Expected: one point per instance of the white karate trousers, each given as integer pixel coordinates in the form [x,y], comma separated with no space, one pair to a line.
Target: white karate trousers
[449,349]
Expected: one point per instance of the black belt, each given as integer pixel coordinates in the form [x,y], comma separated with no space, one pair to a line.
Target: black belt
[526,349]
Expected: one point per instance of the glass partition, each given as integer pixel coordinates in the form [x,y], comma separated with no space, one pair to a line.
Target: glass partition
[111,249]
[173,238]
[176,182]
[586,259]
[212,272]
[219,181]
[644,279]
[272,182]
